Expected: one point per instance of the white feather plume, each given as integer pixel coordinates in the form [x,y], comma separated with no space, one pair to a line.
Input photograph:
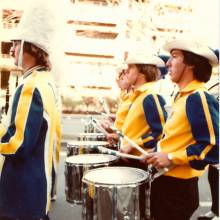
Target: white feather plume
[43,24]
[40,23]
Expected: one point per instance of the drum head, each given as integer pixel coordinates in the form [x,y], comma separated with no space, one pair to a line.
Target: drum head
[90,134]
[83,159]
[115,176]
[86,134]
[87,143]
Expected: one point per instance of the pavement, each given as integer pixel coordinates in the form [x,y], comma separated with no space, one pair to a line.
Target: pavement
[62,210]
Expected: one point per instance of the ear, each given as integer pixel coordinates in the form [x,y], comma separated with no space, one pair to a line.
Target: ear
[191,67]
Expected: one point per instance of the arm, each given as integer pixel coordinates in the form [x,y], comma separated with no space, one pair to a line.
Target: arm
[155,114]
[203,114]
[20,137]
[58,136]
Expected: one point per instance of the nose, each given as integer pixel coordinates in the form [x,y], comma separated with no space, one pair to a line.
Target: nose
[168,63]
[12,51]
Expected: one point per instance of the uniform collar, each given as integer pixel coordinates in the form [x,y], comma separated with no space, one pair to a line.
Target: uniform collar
[145,87]
[31,70]
[124,95]
[194,85]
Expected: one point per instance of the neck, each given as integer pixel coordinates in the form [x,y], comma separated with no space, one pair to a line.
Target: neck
[140,81]
[28,62]
[28,67]
[188,78]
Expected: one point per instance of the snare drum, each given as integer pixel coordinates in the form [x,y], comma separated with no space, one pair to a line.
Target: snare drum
[89,128]
[84,147]
[115,193]
[88,137]
[75,167]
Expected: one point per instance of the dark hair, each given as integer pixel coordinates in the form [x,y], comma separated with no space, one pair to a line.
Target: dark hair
[151,72]
[202,69]
[42,58]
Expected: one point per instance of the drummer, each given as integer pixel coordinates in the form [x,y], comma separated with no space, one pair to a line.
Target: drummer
[146,117]
[124,104]
[123,108]
[191,133]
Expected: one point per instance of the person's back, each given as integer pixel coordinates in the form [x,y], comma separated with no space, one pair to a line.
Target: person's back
[28,148]
[31,132]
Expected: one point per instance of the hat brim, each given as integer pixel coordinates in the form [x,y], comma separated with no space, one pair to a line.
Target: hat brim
[148,60]
[194,47]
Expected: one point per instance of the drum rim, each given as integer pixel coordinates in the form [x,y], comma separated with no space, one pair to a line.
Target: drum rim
[117,185]
[67,137]
[80,134]
[90,155]
[104,143]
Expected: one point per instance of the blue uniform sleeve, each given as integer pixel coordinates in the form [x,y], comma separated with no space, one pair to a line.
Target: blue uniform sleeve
[23,131]
[203,114]
[156,116]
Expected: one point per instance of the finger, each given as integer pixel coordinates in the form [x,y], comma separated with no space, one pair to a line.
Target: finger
[144,160]
[151,160]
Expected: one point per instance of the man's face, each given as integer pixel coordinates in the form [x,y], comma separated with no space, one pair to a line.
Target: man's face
[123,82]
[14,51]
[176,66]
[131,74]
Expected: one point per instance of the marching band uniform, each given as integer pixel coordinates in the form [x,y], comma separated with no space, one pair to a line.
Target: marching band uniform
[191,136]
[148,115]
[32,131]
[122,111]
[27,144]
[56,152]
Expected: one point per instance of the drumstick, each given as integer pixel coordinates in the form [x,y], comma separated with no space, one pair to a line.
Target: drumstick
[137,147]
[105,150]
[104,105]
[98,126]
[141,150]
[133,144]
[107,116]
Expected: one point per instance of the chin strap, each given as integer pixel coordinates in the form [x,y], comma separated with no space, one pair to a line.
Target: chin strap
[20,56]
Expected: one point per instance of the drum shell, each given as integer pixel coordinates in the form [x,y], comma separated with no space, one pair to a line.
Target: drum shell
[86,137]
[115,201]
[84,147]
[73,177]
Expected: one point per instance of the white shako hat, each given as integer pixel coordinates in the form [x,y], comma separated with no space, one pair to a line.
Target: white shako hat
[38,24]
[195,47]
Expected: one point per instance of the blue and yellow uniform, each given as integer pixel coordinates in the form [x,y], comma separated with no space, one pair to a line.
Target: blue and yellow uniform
[27,144]
[146,117]
[56,152]
[192,131]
